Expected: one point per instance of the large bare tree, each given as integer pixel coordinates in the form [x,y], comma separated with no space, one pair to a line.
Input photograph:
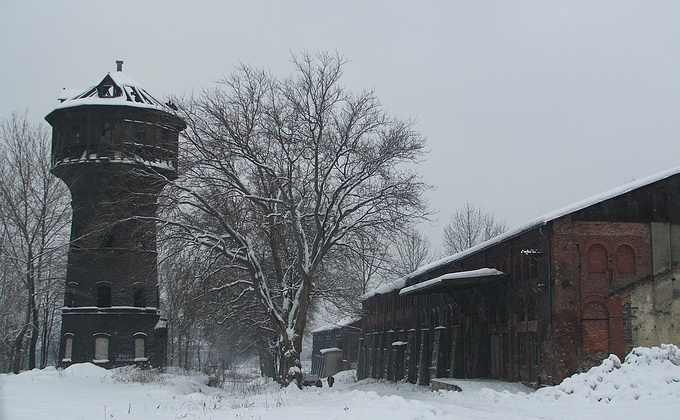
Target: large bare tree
[34,218]
[469,226]
[282,171]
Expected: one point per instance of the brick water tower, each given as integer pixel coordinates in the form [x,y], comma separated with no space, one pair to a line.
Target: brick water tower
[115,146]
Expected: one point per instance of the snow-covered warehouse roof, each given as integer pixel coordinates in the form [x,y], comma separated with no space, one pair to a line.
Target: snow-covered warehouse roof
[540,221]
[481,275]
[115,89]
[346,322]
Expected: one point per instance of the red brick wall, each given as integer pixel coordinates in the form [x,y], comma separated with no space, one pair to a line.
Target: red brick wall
[590,319]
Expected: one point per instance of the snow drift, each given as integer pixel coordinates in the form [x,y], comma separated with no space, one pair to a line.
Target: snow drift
[646,373]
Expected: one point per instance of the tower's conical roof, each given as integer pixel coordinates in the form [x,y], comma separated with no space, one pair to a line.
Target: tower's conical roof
[115,89]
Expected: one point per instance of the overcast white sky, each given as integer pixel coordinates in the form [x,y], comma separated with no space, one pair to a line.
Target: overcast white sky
[527,105]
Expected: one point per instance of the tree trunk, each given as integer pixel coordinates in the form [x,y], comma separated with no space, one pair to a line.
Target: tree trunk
[35,333]
[32,314]
[290,368]
[18,344]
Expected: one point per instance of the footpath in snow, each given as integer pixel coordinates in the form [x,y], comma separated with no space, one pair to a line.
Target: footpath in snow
[645,385]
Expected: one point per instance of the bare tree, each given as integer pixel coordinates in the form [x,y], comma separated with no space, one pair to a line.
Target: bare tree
[34,217]
[201,313]
[283,171]
[409,250]
[469,226]
[347,273]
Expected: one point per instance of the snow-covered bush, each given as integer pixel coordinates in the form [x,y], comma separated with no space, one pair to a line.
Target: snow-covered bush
[128,374]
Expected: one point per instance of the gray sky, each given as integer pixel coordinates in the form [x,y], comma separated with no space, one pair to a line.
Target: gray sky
[527,105]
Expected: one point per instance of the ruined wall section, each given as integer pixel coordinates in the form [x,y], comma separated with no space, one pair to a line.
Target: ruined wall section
[655,304]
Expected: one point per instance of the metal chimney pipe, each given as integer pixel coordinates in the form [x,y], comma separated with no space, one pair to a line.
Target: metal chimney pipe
[119,65]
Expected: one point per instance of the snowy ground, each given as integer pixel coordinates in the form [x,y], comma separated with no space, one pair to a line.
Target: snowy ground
[645,385]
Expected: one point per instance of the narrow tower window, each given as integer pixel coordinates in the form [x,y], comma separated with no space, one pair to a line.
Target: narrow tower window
[71,293]
[68,347]
[104,296]
[139,348]
[139,297]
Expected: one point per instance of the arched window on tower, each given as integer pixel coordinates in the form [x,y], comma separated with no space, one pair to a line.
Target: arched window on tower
[70,298]
[103,295]
[139,297]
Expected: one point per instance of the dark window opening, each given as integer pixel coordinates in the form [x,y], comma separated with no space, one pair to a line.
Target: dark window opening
[105,91]
[75,129]
[70,297]
[139,297]
[107,129]
[104,296]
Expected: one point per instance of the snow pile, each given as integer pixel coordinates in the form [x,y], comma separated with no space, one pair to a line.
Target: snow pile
[646,373]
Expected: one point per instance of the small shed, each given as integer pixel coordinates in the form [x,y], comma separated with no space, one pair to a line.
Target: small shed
[335,347]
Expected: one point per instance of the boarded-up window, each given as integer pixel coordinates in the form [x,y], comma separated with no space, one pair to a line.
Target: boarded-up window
[68,348]
[595,328]
[625,260]
[140,351]
[597,259]
[101,349]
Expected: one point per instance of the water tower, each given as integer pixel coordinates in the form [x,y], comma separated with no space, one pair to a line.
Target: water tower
[115,146]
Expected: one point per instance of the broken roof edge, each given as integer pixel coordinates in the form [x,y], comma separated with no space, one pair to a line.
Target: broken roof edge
[525,227]
[130,93]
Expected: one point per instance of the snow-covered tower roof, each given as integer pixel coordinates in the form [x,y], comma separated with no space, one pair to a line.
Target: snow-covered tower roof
[115,89]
